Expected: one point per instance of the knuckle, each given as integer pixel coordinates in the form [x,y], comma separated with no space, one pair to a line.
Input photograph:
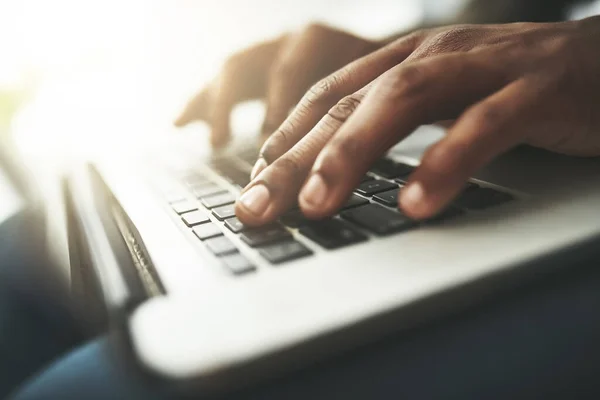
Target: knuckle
[282,69]
[314,28]
[323,91]
[344,108]
[453,38]
[277,143]
[409,81]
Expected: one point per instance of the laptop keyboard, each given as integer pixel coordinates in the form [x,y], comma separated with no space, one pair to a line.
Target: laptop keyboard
[370,212]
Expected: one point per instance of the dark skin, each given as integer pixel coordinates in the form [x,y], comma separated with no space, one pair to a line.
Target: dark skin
[499,85]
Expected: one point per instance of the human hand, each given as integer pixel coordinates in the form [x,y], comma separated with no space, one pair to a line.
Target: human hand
[279,71]
[537,84]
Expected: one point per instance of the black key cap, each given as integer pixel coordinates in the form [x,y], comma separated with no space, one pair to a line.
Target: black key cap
[265,235]
[220,245]
[391,169]
[369,188]
[449,213]
[224,212]
[207,190]
[367,177]
[217,200]
[389,198]
[234,225]
[332,233]
[207,231]
[479,199]
[195,218]
[378,220]
[354,201]
[232,172]
[294,219]
[285,251]
[237,264]
[471,186]
[184,206]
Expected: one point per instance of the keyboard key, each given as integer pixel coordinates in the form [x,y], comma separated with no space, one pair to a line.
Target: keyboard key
[293,219]
[195,180]
[284,251]
[471,186]
[220,245]
[354,201]
[217,200]
[184,206]
[378,220]
[332,233]
[195,218]
[389,198]
[237,264]
[449,213]
[206,190]
[369,188]
[232,172]
[391,169]
[207,231]
[224,212]
[367,177]
[234,225]
[174,196]
[481,198]
[265,235]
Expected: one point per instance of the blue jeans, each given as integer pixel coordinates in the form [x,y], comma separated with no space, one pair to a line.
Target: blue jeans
[541,341]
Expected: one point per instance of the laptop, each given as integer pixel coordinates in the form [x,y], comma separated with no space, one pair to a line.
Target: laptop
[206,302]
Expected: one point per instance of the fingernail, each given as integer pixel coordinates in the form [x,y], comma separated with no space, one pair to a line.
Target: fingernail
[256,199]
[315,191]
[412,196]
[258,167]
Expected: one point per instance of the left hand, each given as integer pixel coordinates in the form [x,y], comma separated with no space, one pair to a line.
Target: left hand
[504,85]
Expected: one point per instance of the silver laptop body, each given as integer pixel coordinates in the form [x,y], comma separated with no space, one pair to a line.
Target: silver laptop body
[203,321]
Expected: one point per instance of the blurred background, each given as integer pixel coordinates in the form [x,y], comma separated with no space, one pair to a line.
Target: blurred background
[74,73]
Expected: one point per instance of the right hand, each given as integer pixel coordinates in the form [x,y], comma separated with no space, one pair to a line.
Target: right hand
[279,71]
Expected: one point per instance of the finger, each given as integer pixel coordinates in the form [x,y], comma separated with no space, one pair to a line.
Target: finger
[285,87]
[405,97]
[276,188]
[196,109]
[484,131]
[326,93]
[223,101]
[243,77]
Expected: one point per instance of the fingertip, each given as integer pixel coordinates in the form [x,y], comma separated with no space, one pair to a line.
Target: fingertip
[251,208]
[415,201]
[181,121]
